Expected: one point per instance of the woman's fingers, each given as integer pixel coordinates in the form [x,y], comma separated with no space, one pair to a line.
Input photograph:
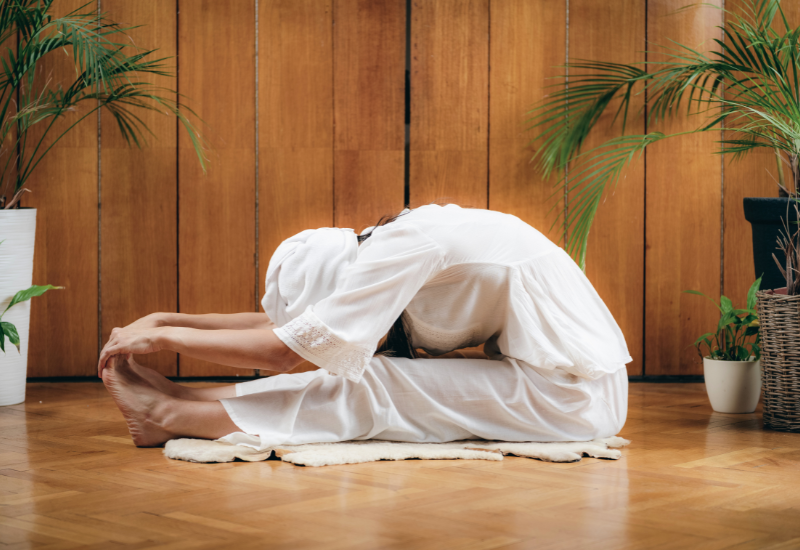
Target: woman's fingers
[112,347]
[105,355]
[124,341]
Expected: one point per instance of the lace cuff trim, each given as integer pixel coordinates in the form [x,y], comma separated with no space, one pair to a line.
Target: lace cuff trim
[312,340]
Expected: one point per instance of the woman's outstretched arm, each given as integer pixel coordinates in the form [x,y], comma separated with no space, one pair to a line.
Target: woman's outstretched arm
[243,348]
[208,321]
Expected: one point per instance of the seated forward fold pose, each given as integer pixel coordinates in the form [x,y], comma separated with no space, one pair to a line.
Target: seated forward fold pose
[434,278]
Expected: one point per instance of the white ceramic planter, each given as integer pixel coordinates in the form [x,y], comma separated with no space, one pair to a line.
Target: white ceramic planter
[733,386]
[17,231]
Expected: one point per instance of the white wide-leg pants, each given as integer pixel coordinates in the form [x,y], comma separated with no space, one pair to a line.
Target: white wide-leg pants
[431,400]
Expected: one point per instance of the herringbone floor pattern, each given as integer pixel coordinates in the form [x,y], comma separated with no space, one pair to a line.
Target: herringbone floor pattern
[70,478]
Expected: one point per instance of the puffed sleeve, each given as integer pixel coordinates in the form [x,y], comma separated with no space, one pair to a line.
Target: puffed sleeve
[341,333]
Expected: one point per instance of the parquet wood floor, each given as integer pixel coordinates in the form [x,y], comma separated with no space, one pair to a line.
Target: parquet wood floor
[70,478]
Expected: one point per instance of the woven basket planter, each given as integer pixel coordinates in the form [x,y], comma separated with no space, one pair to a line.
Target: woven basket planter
[780,360]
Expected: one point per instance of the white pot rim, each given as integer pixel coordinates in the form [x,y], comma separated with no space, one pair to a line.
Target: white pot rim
[751,360]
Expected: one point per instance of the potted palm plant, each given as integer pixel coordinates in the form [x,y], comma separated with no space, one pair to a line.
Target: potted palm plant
[731,365]
[757,66]
[109,73]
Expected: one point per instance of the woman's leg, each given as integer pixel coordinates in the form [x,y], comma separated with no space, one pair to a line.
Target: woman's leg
[154,417]
[427,400]
[166,386]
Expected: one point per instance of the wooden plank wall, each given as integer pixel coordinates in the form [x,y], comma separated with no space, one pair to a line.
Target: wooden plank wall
[615,258]
[369,60]
[64,324]
[138,222]
[684,194]
[528,44]
[449,102]
[217,210]
[307,126]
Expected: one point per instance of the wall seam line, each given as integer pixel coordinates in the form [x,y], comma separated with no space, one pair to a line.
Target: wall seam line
[256,252]
[722,184]
[644,213]
[566,86]
[99,222]
[177,174]
[489,105]
[407,113]
[333,111]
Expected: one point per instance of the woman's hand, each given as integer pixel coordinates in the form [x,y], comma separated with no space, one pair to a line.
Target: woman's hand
[128,340]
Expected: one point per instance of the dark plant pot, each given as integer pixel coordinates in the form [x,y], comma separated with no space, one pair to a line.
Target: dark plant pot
[766,217]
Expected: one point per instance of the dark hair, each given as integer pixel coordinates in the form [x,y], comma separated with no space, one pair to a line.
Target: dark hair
[398,339]
[388,218]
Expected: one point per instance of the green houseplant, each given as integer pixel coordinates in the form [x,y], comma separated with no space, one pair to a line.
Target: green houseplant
[757,66]
[731,360]
[109,70]
[36,111]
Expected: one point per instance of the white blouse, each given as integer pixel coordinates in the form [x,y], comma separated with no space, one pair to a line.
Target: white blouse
[464,277]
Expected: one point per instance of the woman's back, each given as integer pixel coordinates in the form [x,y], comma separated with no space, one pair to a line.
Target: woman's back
[462,277]
[470,235]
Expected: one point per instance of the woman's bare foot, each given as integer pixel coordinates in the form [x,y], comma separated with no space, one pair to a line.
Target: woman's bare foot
[168,387]
[159,381]
[142,405]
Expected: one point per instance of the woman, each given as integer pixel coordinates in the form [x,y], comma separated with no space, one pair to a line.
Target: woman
[436,278]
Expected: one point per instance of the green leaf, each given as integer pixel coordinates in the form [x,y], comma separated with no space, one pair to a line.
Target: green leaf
[703,338]
[725,320]
[11,331]
[725,304]
[751,294]
[742,353]
[698,293]
[27,294]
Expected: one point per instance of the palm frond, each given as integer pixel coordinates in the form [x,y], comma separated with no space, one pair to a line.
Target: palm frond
[110,74]
[757,66]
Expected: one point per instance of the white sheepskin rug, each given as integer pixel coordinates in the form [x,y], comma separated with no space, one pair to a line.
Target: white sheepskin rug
[355,452]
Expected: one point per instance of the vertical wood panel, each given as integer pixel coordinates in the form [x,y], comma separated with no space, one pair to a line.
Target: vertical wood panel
[8,148]
[752,176]
[295,123]
[449,101]
[615,257]
[217,210]
[369,84]
[527,47]
[139,262]
[64,339]
[683,212]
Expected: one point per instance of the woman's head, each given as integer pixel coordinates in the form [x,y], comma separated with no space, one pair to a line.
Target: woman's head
[306,269]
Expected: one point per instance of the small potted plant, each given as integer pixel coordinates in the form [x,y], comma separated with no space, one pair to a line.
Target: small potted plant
[731,361]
